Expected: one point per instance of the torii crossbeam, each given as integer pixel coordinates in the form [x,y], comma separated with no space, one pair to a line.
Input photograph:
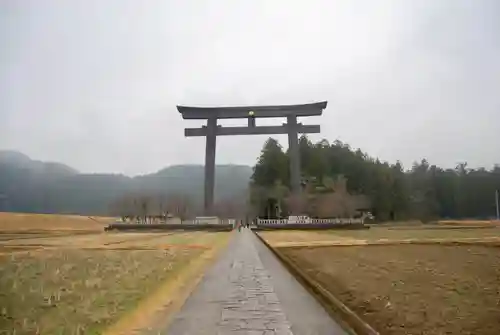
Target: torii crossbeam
[212,130]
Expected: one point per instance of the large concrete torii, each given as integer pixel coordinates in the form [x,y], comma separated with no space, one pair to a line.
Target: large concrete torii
[212,130]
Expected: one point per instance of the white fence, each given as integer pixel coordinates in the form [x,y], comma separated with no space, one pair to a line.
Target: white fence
[210,220]
[309,221]
[272,221]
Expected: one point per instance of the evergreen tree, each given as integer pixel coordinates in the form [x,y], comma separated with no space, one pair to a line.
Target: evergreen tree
[425,191]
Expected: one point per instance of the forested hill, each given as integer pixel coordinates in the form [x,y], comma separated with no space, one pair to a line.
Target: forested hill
[42,187]
[423,191]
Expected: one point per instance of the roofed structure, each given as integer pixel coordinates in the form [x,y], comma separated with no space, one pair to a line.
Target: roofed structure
[193,113]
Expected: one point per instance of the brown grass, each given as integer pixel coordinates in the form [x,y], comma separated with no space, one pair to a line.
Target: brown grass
[20,222]
[115,240]
[428,279]
[468,222]
[85,283]
[412,289]
[155,312]
[60,291]
[377,235]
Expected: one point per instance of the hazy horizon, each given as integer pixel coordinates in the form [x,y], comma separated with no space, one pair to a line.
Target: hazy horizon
[95,85]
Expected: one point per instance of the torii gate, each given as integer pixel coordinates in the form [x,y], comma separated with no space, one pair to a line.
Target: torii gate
[212,130]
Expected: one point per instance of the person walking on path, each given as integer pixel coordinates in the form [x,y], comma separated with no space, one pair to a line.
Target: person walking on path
[239,226]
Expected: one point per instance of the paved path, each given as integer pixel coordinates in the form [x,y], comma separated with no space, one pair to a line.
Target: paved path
[248,291]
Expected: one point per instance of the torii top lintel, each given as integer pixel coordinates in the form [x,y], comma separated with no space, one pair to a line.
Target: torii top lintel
[313,109]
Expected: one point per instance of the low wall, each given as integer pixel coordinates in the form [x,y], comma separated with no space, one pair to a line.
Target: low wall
[166,226]
[310,226]
[310,221]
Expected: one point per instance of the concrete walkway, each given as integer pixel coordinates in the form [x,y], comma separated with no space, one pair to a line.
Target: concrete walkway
[248,291]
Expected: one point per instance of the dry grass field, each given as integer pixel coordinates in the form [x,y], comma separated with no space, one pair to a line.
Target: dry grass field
[412,289]
[66,291]
[65,282]
[468,222]
[25,223]
[406,281]
[382,235]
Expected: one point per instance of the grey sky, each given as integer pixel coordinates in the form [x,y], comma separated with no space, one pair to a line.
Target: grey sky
[94,84]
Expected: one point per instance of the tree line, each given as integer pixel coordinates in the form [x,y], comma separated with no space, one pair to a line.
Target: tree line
[424,191]
[149,207]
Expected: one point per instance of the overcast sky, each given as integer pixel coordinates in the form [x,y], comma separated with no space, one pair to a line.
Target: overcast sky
[95,84]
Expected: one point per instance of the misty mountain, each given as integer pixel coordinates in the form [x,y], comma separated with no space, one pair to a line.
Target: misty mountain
[20,161]
[28,185]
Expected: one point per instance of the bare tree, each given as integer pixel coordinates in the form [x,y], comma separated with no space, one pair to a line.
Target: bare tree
[179,206]
[148,207]
[229,209]
[144,204]
[161,202]
[157,208]
[117,208]
[125,207]
[297,203]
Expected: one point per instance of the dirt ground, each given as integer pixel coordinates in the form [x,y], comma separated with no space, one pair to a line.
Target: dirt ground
[86,283]
[468,222]
[412,289]
[117,241]
[380,235]
[20,222]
